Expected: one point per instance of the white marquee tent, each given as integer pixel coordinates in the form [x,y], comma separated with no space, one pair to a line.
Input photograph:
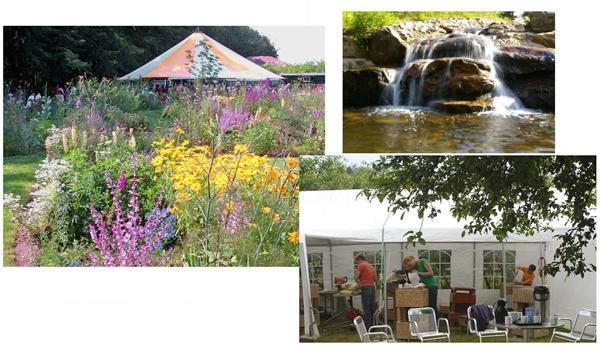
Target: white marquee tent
[335,225]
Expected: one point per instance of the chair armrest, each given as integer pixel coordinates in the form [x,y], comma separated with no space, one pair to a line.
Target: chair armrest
[376,334]
[447,324]
[472,325]
[410,325]
[566,319]
[589,324]
[384,327]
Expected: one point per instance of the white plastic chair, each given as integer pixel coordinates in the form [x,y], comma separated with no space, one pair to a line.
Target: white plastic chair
[373,335]
[423,324]
[491,331]
[578,332]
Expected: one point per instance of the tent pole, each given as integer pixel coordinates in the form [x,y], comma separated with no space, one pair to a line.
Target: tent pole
[331,284]
[309,319]
[503,270]
[474,273]
[384,287]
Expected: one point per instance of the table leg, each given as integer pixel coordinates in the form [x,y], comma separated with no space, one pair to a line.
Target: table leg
[526,335]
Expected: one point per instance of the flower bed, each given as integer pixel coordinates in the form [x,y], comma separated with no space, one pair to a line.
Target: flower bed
[212,181]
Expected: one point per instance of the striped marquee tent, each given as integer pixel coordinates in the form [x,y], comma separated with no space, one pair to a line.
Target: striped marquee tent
[182,62]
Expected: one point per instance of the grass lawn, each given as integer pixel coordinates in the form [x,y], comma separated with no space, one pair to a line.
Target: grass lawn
[18,179]
[154,119]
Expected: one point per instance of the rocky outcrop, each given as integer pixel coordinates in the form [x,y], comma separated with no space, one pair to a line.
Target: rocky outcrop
[464,107]
[536,90]
[364,87]
[447,78]
[540,21]
[352,48]
[545,39]
[386,48]
[524,60]
[529,73]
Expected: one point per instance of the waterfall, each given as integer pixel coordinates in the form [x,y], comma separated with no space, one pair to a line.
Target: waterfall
[470,44]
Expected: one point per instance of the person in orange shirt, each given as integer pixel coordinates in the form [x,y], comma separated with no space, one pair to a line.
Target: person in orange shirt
[366,277]
[528,275]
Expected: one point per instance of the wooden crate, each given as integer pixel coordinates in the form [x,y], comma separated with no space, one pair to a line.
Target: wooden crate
[403,331]
[523,294]
[314,291]
[411,297]
[302,320]
[532,333]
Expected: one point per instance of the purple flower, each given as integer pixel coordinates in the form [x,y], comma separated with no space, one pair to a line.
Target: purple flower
[121,182]
[233,118]
[233,218]
[126,238]
[316,113]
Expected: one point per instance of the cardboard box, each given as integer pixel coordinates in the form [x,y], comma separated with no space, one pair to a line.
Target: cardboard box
[412,297]
[523,294]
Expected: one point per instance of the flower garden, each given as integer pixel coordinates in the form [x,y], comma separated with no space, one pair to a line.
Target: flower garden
[205,175]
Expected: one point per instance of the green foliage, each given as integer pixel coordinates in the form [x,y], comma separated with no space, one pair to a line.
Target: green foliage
[333,173]
[499,195]
[310,66]
[362,24]
[86,186]
[34,56]
[260,137]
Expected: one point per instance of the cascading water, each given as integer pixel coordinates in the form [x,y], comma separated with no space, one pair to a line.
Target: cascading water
[414,85]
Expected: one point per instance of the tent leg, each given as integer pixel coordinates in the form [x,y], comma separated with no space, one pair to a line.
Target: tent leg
[310,331]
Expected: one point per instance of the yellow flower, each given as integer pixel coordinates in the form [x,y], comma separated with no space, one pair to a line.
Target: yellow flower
[266,210]
[294,237]
[292,163]
[239,149]
[252,225]
[179,131]
[276,217]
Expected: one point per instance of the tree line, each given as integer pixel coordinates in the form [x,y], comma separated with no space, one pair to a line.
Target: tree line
[39,56]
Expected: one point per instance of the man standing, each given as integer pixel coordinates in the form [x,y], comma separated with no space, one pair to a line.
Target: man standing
[427,277]
[528,275]
[366,277]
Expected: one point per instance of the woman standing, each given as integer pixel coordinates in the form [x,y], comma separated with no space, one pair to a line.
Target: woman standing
[427,277]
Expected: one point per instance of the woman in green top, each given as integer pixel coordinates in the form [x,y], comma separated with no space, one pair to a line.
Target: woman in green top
[427,277]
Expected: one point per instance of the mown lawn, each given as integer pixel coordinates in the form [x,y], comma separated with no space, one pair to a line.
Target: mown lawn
[19,174]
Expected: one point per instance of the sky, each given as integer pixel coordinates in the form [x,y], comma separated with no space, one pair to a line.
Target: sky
[296,44]
[360,158]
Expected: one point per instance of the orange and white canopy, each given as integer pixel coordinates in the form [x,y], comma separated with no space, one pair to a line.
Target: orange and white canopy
[183,62]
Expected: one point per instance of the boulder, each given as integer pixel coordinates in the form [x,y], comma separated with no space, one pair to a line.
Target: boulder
[386,48]
[545,39]
[536,91]
[364,87]
[446,78]
[524,60]
[464,107]
[540,21]
[352,48]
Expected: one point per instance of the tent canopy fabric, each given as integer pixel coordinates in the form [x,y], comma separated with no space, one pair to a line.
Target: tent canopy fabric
[183,62]
[343,217]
